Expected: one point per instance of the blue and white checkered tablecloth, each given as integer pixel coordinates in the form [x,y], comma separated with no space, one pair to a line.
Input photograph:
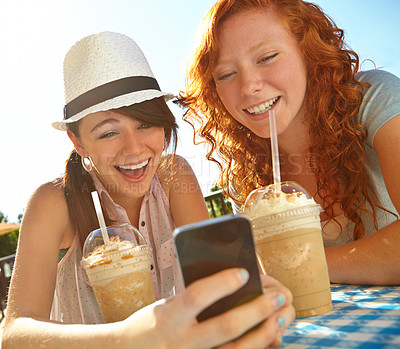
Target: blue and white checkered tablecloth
[362,317]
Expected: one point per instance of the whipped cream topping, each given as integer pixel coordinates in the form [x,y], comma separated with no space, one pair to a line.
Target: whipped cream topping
[278,202]
[102,253]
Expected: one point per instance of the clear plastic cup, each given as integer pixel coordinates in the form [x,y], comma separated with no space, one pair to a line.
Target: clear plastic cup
[119,272]
[287,233]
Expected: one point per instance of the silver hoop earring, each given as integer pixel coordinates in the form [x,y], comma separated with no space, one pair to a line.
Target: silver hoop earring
[87,163]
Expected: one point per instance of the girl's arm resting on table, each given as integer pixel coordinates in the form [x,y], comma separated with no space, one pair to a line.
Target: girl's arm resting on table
[31,332]
[375,259]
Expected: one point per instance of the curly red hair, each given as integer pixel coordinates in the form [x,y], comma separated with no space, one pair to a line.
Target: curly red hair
[333,100]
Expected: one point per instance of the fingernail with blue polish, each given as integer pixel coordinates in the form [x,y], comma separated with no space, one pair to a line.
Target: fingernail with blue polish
[244,274]
[281,300]
[281,320]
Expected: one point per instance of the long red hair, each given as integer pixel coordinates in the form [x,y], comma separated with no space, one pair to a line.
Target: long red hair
[333,100]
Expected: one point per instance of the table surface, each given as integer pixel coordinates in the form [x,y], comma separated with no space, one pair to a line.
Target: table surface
[362,317]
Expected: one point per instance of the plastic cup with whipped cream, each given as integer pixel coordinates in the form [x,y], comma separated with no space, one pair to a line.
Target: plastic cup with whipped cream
[287,233]
[118,271]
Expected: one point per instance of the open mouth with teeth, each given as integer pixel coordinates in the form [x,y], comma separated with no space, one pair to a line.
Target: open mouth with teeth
[133,171]
[263,107]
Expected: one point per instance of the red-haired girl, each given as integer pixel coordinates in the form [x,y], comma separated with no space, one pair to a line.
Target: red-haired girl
[338,127]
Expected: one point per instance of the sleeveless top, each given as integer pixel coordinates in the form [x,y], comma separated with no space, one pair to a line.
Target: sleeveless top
[74,300]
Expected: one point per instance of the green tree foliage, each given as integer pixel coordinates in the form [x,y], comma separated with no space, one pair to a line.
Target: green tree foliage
[8,242]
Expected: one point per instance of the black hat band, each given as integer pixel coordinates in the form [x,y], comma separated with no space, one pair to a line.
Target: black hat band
[108,91]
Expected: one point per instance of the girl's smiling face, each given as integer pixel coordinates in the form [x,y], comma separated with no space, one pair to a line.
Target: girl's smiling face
[124,151]
[259,68]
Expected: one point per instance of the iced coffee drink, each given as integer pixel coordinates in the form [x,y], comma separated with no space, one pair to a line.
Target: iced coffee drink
[119,273]
[287,233]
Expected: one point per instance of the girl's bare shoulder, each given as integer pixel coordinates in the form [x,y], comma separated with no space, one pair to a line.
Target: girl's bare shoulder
[49,196]
[47,209]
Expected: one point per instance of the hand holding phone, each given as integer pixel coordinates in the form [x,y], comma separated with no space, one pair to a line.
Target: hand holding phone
[210,246]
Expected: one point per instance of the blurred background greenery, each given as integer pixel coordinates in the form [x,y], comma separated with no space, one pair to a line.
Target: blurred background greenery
[9,241]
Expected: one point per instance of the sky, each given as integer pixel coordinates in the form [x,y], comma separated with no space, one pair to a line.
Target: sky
[35,36]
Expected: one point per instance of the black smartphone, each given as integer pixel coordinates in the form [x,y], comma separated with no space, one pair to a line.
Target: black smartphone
[213,245]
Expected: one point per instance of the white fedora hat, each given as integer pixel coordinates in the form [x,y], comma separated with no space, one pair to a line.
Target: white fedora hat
[105,71]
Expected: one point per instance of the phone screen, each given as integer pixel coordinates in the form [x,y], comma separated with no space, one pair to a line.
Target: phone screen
[210,246]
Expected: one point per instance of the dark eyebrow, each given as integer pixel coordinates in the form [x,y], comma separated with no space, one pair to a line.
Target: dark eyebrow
[106,121]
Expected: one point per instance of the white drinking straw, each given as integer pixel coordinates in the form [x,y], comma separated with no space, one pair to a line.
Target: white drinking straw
[276,169]
[274,150]
[100,216]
